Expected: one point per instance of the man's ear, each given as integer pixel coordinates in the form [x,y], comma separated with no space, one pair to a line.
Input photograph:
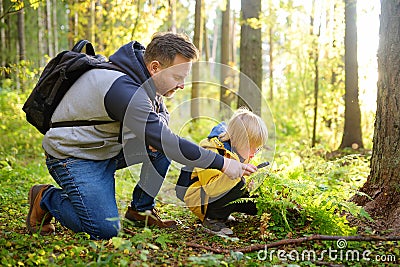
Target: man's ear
[154,67]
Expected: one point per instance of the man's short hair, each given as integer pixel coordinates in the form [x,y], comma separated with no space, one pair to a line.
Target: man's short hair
[164,47]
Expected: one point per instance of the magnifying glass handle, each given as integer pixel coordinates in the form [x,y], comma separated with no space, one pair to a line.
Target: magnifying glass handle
[262,165]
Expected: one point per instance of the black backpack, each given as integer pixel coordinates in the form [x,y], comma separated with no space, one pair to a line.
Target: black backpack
[56,79]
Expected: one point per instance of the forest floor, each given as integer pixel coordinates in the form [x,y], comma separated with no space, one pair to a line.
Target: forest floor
[187,245]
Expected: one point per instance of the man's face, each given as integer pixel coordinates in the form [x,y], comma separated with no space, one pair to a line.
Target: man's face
[169,79]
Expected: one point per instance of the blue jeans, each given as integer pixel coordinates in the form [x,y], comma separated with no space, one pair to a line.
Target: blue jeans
[86,200]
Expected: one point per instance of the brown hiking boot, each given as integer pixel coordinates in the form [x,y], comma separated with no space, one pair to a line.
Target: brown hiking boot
[153,219]
[37,217]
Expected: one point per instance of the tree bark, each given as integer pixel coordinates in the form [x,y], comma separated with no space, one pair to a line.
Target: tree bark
[197,41]
[316,93]
[92,21]
[3,47]
[49,28]
[55,26]
[352,135]
[206,44]
[233,37]
[225,93]
[41,30]
[250,58]
[214,43]
[21,34]
[172,15]
[271,62]
[382,185]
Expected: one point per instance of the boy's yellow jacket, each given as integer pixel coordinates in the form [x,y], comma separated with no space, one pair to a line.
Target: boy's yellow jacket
[212,183]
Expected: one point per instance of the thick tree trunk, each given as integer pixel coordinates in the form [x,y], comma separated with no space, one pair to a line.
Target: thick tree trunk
[250,58]
[383,183]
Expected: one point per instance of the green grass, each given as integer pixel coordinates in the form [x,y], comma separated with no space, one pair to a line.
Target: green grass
[303,193]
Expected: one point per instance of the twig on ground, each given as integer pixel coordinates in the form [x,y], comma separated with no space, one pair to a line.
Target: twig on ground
[295,241]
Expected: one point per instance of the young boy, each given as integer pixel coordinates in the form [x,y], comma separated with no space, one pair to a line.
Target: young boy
[209,192]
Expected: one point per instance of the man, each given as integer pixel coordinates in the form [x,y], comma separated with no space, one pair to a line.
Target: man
[83,160]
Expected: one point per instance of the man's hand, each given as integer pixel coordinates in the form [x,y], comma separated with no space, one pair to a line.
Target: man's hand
[152,149]
[235,169]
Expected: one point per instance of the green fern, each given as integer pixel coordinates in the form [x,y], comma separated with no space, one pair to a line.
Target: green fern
[312,195]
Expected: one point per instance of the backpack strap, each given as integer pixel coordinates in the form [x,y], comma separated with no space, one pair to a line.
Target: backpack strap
[84,43]
[219,146]
[77,123]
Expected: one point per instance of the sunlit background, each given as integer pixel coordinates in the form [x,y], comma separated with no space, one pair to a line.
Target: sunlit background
[368,40]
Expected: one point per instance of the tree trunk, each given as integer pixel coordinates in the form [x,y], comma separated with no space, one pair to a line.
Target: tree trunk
[41,30]
[315,33]
[172,15]
[225,93]
[383,182]
[206,44]
[233,49]
[50,47]
[352,136]
[214,43]
[3,48]
[250,58]
[195,107]
[74,22]
[21,34]
[92,21]
[9,40]
[271,62]
[316,93]
[54,26]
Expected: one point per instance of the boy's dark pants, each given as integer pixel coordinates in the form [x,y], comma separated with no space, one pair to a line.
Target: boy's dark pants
[221,208]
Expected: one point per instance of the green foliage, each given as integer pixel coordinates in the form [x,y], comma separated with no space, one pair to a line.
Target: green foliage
[309,193]
[19,138]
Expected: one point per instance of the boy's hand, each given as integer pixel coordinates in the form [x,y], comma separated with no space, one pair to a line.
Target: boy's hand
[235,169]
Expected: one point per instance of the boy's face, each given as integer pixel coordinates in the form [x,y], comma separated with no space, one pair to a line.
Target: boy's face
[169,79]
[247,151]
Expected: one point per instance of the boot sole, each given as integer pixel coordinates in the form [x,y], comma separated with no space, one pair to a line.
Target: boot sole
[219,233]
[143,223]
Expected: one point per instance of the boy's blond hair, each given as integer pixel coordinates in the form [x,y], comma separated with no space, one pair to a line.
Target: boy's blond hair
[245,129]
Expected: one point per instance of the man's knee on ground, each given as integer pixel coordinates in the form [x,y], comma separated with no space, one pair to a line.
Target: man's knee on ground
[106,230]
